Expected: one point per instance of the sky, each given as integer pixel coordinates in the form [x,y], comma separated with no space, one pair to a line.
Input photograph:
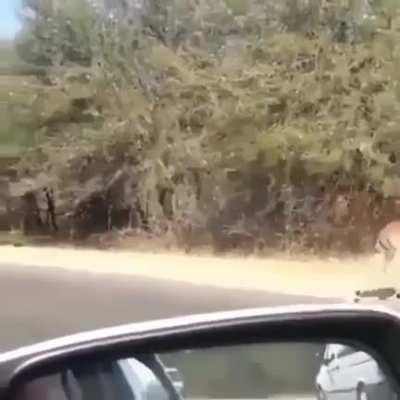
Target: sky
[9,23]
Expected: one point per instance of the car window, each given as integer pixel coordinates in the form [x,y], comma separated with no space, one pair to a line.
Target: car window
[332,351]
[327,353]
[50,388]
[123,380]
[345,351]
[103,381]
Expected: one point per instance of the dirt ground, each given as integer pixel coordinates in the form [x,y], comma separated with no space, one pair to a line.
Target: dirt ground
[322,278]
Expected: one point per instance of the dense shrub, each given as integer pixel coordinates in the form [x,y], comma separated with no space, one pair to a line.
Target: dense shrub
[258,122]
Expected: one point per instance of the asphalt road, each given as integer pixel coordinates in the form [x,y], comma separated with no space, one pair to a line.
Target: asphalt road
[40,303]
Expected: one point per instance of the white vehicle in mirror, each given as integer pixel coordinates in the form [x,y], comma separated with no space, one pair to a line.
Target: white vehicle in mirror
[349,373]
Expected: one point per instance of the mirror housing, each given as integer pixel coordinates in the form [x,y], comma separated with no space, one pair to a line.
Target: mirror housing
[375,328]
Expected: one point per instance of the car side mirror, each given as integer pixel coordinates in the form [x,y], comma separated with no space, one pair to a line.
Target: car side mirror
[248,354]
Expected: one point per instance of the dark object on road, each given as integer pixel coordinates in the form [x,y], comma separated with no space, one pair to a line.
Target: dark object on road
[380,293]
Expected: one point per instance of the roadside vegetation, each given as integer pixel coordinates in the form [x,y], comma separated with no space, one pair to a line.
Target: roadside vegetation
[253,125]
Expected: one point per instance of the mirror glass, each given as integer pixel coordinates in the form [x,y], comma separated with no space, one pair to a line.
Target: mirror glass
[283,371]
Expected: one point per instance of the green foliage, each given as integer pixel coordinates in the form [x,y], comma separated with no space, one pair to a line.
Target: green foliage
[205,124]
[60,32]
[8,55]
[238,7]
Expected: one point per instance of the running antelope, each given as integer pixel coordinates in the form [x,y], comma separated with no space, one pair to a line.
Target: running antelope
[388,242]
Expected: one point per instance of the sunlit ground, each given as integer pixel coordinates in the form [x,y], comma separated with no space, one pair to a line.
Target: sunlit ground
[322,278]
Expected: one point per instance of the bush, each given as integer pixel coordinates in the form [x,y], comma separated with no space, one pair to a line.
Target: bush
[281,137]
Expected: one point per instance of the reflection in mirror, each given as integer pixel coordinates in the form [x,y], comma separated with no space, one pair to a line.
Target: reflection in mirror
[254,371]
